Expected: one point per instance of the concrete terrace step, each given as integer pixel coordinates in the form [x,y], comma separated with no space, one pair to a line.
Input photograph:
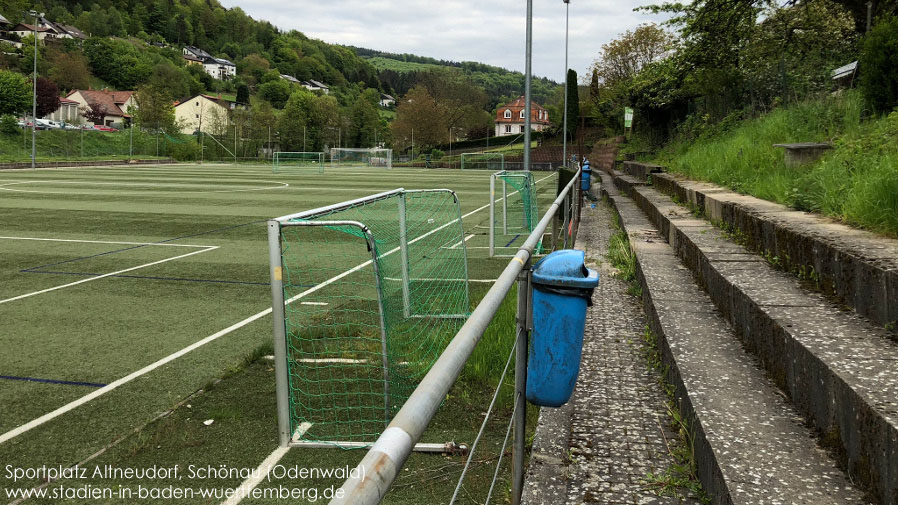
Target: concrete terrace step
[858,267]
[751,445]
[837,367]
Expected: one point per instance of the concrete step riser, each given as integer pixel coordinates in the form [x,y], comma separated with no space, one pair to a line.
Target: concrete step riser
[867,440]
[868,284]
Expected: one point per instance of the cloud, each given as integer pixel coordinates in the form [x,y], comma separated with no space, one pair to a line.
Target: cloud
[490,32]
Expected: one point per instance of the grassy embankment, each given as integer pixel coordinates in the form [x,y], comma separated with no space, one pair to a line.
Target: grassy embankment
[856,182]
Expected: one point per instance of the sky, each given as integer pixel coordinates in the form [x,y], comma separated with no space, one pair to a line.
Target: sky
[491,32]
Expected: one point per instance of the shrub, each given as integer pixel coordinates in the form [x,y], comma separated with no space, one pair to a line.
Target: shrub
[879,65]
[187,151]
[437,154]
[8,125]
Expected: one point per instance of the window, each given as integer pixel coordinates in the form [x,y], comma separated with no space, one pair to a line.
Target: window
[507,114]
[522,114]
[197,116]
[197,104]
[508,128]
[522,129]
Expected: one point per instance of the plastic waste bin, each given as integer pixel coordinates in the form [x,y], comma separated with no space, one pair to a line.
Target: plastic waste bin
[585,176]
[562,289]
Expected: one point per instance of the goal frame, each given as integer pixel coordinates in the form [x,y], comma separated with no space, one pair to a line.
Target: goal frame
[387,160]
[276,159]
[286,436]
[534,207]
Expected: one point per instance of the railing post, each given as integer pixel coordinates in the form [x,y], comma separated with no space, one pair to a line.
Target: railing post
[280,332]
[492,224]
[567,218]
[524,318]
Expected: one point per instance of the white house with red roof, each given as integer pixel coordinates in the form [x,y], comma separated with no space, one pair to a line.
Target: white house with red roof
[510,118]
[113,104]
[68,112]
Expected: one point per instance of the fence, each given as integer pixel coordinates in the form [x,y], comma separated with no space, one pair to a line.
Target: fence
[387,456]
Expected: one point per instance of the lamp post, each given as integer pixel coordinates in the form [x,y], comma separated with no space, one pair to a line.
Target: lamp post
[34,92]
[567,9]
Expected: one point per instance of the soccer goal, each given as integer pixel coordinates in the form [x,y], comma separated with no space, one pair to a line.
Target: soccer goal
[361,157]
[287,160]
[483,161]
[366,295]
[514,211]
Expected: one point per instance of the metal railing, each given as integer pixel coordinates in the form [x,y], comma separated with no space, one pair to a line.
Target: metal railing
[388,455]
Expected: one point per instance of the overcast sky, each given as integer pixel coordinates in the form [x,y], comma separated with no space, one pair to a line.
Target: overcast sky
[486,31]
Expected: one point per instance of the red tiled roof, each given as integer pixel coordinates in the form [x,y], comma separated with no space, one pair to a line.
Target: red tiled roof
[518,105]
[109,101]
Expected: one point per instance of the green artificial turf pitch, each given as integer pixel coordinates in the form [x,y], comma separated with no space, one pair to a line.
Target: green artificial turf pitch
[107,270]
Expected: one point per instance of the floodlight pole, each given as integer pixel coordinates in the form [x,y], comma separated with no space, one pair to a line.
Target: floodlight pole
[527,91]
[34,94]
[567,10]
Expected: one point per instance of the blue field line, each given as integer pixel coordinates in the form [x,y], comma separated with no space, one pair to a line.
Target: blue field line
[33,270]
[52,381]
[157,278]
[512,240]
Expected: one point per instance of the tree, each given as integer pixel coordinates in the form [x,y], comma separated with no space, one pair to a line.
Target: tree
[573,103]
[421,117]
[624,57]
[155,109]
[277,92]
[364,121]
[47,97]
[879,64]
[93,113]
[242,93]
[69,70]
[15,93]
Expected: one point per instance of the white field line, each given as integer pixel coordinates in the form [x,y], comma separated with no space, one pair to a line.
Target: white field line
[176,187]
[396,279]
[261,473]
[110,274]
[104,242]
[152,366]
[314,303]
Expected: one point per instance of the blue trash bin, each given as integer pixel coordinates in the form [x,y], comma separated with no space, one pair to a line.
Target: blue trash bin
[585,176]
[562,289]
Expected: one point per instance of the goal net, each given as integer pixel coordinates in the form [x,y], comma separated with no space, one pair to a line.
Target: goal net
[361,157]
[367,294]
[514,211]
[483,161]
[287,160]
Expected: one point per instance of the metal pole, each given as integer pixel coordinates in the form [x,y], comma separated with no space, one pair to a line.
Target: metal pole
[131,142]
[82,142]
[303,137]
[235,143]
[869,15]
[450,144]
[403,253]
[567,218]
[492,215]
[383,323]
[34,98]
[567,9]
[280,333]
[413,144]
[520,384]
[527,78]
[504,206]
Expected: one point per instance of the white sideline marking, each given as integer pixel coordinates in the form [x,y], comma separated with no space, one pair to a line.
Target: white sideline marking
[113,242]
[344,361]
[149,368]
[263,470]
[280,185]
[314,303]
[98,277]
[397,279]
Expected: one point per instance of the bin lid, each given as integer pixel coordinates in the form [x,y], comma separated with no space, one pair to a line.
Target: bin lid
[565,268]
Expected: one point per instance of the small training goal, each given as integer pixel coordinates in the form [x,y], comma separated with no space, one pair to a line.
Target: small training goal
[289,160]
[483,161]
[361,157]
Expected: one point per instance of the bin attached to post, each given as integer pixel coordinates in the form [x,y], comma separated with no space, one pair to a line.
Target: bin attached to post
[585,176]
[562,289]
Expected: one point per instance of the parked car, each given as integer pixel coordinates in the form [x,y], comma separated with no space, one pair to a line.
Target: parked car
[49,124]
[104,128]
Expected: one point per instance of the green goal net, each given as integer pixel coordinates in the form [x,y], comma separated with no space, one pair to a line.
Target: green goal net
[370,292]
[288,160]
[514,211]
[483,161]
[361,157]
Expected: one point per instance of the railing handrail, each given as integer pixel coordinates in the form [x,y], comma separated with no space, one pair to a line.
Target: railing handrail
[387,456]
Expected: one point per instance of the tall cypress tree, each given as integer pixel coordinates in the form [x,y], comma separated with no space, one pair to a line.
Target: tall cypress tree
[573,103]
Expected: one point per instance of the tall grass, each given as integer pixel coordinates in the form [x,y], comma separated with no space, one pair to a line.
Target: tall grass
[856,182]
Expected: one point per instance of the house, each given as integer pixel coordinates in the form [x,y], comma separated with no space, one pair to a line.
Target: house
[290,79]
[218,68]
[315,86]
[386,100]
[68,112]
[71,32]
[510,118]
[23,30]
[113,104]
[205,113]
[4,24]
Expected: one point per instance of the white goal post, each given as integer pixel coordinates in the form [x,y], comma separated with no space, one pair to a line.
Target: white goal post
[483,161]
[366,157]
[297,160]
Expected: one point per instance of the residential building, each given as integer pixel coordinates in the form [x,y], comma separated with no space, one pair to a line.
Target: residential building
[205,113]
[68,112]
[113,104]
[511,119]
[315,86]
[43,32]
[218,68]
[386,100]
[291,79]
